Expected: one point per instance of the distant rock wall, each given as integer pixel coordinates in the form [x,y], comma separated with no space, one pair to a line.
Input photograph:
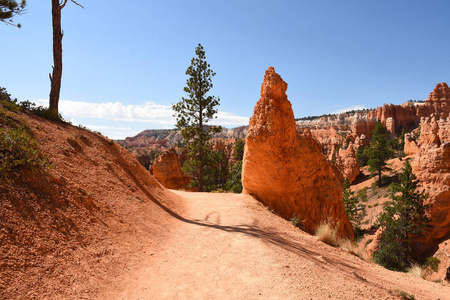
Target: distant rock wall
[285,169]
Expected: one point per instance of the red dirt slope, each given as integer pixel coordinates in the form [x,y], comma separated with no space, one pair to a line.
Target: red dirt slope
[70,233]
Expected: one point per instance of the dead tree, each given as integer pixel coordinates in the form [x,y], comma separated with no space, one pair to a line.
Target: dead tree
[55,77]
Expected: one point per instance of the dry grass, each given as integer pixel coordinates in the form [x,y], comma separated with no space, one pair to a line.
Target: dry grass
[417,270]
[327,233]
[352,247]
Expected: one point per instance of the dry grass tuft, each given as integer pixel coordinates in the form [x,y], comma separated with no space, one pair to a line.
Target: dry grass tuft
[327,233]
[417,270]
[352,248]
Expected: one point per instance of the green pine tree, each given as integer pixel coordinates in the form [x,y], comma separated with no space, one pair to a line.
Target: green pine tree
[193,113]
[11,8]
[355,210]
[401,219]
[378,151]
[234,183]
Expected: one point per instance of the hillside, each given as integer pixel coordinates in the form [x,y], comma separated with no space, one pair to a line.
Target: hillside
[70,233]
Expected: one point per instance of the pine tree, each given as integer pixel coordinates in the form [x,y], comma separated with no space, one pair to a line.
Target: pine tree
[401,219]
[234,183]
[55,77]
[193,113]
[355,210]
[11,8]
[378,151]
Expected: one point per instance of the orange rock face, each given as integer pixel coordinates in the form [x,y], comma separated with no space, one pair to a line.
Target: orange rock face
[347,163]
[285,169]
[431,165]
[167,171]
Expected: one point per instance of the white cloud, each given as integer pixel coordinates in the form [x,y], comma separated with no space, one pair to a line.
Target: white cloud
[228,119]
[117,120]
[150,112]
[343,110]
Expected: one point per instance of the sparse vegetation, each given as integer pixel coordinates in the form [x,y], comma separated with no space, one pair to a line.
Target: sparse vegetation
[234,183]
[41,111]
[432,263]
[356,211]
[19,150]
[352,248]
[404,295]
[417,270]
[327,233]
[294,220]
[401,218]
[362,195]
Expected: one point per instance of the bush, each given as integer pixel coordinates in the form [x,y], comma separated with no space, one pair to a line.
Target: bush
[7,102]
[294,220]
[13,105]
[41,111]
[432,263]
[417,270]
[327,233]
[352,248]
[19,150]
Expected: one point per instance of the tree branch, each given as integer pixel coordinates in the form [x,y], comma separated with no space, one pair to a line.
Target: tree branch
[77,3]
[62,4]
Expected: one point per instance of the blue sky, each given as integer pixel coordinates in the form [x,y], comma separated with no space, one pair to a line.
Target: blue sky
[125,62]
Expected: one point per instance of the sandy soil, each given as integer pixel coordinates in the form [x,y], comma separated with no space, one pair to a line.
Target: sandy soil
[228,246]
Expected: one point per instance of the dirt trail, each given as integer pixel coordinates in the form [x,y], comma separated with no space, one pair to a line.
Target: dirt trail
[228,246]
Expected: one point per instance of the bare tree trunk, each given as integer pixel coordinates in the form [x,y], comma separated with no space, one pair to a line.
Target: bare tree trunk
[55,78]
[201,153]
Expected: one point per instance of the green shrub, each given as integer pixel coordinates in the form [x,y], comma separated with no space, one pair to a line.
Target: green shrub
[294,220]
[362,194]
[432,263]
[7,102]
[41,111]
[19,150]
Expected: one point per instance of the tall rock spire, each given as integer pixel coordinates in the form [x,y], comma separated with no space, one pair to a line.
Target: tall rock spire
[285,169]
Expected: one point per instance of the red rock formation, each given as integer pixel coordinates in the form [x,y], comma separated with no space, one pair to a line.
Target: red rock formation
[431,165]
[347,163]
[167,171]
[410,147]
[285,169]
[394,117]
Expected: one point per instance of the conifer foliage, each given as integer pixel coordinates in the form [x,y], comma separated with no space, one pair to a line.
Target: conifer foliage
[11,8]
[193,113]
[401,219]
[356,211]
[379,151]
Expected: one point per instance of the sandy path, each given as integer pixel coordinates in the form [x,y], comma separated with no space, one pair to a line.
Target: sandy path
[229,246]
